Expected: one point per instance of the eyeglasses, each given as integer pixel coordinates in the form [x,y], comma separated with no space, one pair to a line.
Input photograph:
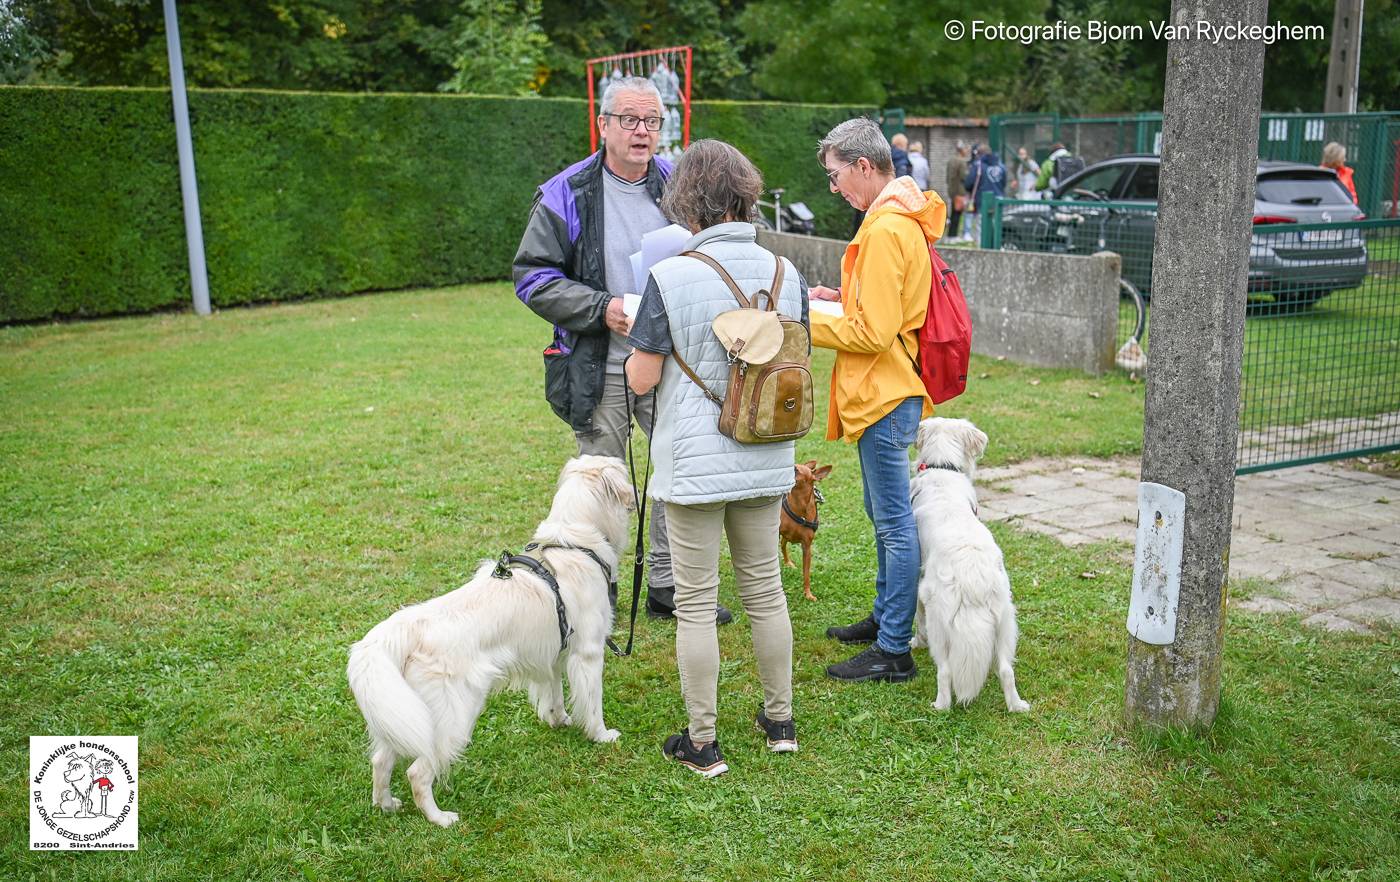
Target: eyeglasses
[831,175]
[629,122]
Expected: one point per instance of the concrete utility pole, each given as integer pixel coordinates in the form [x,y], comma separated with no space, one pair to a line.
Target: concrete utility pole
[1210,140]
[1344,64]
[189,188]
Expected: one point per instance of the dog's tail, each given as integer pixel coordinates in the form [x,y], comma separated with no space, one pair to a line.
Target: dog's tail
[971,647]
[394,713]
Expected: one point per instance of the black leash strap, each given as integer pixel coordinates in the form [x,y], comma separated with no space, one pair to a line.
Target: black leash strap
[641,501]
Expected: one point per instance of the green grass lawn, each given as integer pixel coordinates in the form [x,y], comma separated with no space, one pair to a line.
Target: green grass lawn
[201,515]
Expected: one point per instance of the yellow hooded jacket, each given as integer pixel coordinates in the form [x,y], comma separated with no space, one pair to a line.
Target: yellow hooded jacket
[885,276]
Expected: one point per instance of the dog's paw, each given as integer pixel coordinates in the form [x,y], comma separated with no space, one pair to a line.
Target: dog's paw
[560,719]
[1019,706]
[943,702]
[392,804]
[444,819]
[607,736]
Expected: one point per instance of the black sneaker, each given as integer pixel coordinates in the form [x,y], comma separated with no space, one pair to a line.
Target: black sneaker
[782,737]
[875,664]
[655,611]
[707,761]
[864,631]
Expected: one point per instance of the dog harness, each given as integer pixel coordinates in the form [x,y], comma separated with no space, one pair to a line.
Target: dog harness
[536,566]
[799,519]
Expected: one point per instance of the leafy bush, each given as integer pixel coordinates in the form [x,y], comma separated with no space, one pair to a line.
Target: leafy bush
[304,194]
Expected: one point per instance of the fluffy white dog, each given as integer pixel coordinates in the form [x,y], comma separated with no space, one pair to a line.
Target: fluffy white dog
[965,614]
[421,676]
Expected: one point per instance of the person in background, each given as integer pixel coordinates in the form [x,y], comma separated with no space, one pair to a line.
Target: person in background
[955,173]
[710,483]
[1027,174]
[877,398]
[1334,156]
[1048,179]
[986,180]
[573,268]
[918,165]
[899,155]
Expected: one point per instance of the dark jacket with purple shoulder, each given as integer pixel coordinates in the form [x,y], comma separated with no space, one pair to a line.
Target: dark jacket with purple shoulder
[558,273]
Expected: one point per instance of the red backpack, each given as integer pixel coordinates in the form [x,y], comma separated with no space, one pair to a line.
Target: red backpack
[945,340]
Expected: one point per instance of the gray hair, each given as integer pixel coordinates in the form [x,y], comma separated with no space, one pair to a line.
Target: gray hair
[1334,155]
[713,183]
[629,84]
[855,138]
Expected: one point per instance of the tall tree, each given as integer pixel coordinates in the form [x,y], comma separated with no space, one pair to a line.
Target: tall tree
[853,50]
[583,29]
[280,44]
[497,47]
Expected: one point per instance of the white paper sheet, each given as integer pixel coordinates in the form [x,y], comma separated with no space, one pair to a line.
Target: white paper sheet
[830,307]
[656,247]
[630,302]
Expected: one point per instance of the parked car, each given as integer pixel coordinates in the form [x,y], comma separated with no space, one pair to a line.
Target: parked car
[1297,267]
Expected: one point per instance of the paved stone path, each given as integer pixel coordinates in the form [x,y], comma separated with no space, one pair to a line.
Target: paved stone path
[1323,540]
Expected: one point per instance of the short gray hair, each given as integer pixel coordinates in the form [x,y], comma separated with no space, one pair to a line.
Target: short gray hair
[628,84]
[1334,155]
[855,138]
[713,183]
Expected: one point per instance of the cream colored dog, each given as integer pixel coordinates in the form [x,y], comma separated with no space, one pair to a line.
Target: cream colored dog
[966,617]
[422,676]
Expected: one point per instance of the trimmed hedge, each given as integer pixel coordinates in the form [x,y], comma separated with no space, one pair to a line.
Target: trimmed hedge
[305,194]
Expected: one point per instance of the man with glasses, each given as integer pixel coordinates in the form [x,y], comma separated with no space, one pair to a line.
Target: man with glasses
[573,268]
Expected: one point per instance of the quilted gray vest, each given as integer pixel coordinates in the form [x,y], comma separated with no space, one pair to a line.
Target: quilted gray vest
[694,463]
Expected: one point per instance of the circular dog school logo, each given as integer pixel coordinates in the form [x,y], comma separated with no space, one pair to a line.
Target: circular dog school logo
[82,792]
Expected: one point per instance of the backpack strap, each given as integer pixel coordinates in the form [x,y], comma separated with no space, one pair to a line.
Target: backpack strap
[680,363]
[774,288]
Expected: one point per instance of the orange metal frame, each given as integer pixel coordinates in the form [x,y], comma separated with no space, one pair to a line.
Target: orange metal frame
[685,51]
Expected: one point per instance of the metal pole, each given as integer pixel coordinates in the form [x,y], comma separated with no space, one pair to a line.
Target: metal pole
[1210,139]
[189,189]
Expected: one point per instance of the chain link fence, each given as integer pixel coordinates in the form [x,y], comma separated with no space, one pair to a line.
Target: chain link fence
[1372,141]
[1321,370]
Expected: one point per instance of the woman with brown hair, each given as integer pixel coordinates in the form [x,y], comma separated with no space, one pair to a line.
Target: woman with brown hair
[710,483]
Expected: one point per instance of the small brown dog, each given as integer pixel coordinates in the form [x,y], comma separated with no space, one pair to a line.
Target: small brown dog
[800,520]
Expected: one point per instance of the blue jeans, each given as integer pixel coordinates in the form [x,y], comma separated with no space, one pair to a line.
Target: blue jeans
[884,466]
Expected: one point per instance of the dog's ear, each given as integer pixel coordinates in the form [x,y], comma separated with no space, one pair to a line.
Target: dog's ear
[811,463]
[818,474]
[617,484]
[925,433]
[974,441]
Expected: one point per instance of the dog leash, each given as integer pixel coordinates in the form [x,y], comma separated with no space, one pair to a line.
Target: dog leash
[641,502]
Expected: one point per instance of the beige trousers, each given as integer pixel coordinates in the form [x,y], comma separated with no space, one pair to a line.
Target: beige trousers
[751,526]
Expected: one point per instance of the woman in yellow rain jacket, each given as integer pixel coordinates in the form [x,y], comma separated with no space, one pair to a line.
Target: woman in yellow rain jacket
[877,398]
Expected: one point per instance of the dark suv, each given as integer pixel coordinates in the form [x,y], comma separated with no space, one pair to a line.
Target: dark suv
[1117,211]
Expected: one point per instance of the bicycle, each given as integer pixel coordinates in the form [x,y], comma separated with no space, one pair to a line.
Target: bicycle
[795,218]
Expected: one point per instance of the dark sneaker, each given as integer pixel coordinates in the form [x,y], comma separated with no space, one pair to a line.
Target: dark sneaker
[864,631]
[655,611]
[875,664]
[782,737]
[707,762]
